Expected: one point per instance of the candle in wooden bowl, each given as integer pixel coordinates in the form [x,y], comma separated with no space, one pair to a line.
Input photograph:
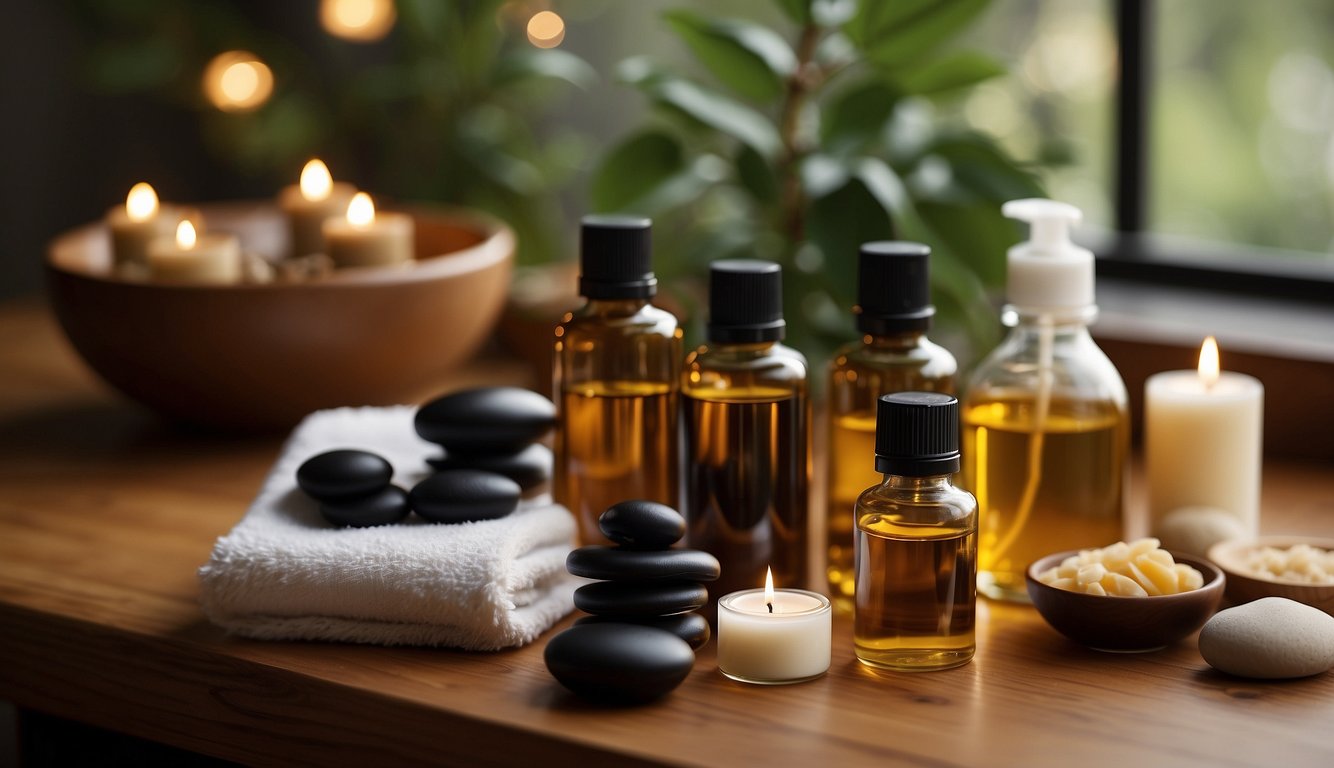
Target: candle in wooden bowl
[139,222]
[363,238]
[317,197]
[1202,440]
[193,258]
[773,637]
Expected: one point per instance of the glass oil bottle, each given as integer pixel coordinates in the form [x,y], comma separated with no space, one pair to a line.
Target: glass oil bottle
[616,378]
[916,559]
[746,412]
[893,313]
[1045,414]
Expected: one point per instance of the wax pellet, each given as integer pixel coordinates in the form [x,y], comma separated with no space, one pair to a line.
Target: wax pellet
[1068,584]
[1094,589]
[1164,577]
[1090,573]
[1116,584]
[1139,568]
[1188,578]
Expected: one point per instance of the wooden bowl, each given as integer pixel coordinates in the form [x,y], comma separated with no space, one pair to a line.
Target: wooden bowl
[259,357]
[1125,624]
[1243,585]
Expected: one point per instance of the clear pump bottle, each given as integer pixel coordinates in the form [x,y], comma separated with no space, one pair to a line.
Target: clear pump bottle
[893,312]
[616,375]
[916,595]
[746,412]
[1045,414]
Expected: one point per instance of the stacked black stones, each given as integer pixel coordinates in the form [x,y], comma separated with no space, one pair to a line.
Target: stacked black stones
[491,459]
[639,642]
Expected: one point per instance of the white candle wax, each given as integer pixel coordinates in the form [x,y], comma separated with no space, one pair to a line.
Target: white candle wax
[790,645]
[137,223]
[195,258]
[364,238]
[309,203]
[1202,444]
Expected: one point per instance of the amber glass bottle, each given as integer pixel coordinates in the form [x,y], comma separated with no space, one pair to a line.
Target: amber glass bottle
[616,379]
[746,416]
[893,312]
[916,539]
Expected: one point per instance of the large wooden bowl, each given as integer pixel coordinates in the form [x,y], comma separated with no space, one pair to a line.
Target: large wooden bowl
[256,357]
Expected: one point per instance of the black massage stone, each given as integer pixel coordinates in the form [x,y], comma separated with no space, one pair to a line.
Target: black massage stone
[639,598]
[619,663]
[387,505]
[617,564]
[464,495]
[343,474]
[486,421]
[690,627]
[529,468]
[642,525]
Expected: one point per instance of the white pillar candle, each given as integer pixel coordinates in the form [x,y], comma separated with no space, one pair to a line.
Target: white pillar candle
[307,204]
[363,238]
[194,258]
[1203,440]
[137,223]
[788,644]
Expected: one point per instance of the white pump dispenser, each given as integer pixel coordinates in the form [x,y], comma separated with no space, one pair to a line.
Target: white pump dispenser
[1048,271]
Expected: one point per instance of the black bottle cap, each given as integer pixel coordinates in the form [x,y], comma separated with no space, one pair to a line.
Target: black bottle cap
[917,434]
[893,287]
[745,301]
[616,258]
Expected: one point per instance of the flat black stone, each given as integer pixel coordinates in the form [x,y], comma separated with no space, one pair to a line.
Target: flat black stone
[529,468]
[690,627]
[619,663]
[640,598]
[385,506]
[639,524]
[617,564]
[343,474]
[463,496]
[487,421]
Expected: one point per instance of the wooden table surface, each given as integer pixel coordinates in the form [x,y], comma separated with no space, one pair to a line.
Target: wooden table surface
[105,515]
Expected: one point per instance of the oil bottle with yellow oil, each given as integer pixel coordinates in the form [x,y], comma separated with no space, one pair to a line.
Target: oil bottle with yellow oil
[616,379]
[893,314]
[1045,420]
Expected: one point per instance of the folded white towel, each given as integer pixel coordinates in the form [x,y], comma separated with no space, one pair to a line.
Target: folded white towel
[284,573]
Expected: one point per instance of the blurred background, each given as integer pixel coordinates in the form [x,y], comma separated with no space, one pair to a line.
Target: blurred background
[911,119]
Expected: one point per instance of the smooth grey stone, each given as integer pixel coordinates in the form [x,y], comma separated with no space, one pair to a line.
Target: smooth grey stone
[1269,639]
[640,598]
[387,505]
[618,564]
[489,420]
[690,627]
[639,524]
[464,495]
[619,663]
[529,468]
[342,474]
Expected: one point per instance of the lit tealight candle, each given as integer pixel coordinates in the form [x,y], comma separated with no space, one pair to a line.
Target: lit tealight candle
[307,204]
[1202,440]
[364,239]
[136,224]
[772,637]
[194,258]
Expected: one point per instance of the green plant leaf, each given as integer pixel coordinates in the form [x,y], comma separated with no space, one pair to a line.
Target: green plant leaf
[982,168]
[123,67]
[857,115]
[894,34]
[838,223]
[716,111]
[797,10]
[958,70]
[750,59]
[550,63]
[634,169]
[977,234]
[756,175]
[832,13]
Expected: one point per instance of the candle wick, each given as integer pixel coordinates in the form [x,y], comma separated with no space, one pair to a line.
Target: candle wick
[771,607]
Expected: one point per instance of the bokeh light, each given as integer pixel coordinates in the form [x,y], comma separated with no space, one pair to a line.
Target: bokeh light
[546,29]
[361,21]
[237,81]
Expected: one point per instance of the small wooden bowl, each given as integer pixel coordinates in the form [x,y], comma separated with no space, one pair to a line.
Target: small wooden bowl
[1243,585]
[254,357]
[1125,624]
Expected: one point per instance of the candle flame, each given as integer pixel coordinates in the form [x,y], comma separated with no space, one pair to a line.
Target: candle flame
[1209,362]
[185,234]
[361,211]
[769,588]
[141,203]
[316,183]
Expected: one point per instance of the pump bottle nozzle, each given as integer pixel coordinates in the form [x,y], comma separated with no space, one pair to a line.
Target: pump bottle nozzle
[1048,270]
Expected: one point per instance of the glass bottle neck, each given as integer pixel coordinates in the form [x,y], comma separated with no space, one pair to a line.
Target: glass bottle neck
[908,483]
[615,307]
[1064,320]
[893,342]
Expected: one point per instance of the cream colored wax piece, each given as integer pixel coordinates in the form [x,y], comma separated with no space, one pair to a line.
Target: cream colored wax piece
[1137,569]
[137,223]
[1202,441]
[308,204]
[789,645]
[363,238]
[192,258]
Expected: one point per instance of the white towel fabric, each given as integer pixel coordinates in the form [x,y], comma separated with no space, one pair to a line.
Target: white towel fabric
[285,573]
